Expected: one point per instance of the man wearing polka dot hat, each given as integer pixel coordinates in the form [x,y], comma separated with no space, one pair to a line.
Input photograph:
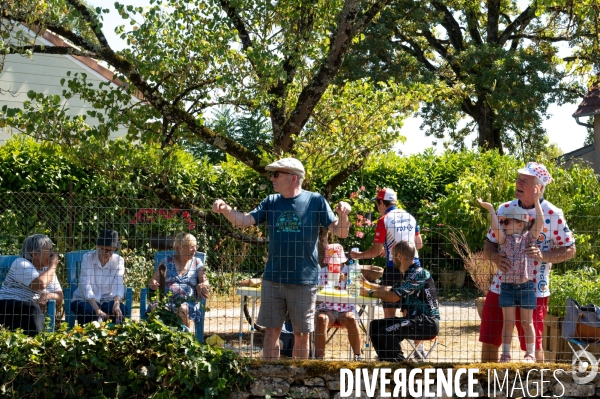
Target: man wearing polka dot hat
[554,245]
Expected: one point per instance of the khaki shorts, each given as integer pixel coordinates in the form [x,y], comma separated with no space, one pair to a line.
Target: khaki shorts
[298,300]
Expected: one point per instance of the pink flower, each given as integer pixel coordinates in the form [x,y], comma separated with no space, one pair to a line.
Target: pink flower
[359,217]
[368,222]
[353,195]
[359,223]
[360,234]
[362,188]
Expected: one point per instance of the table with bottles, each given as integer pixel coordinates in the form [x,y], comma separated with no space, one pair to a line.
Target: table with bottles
[324,295]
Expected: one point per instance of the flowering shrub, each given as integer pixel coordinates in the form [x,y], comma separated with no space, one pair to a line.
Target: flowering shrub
[154,222]
[362,228]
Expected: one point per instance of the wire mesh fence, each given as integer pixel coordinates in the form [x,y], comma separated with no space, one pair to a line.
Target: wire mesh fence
[461,274]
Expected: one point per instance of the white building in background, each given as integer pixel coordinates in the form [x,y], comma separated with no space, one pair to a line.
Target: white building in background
[589,107]
[43,74]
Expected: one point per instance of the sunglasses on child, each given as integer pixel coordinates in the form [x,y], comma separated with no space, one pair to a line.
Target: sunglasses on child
[505,222]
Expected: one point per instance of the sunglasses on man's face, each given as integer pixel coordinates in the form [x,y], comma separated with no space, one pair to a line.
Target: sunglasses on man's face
[275,175]
[505,222]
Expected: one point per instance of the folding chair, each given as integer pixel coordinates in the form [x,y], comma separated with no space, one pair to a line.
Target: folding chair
[73,269]
[581,327]
[6,262]
[418,351]
[198,325]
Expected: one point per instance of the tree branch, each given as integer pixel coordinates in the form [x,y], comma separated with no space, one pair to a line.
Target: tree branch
[278,109]
[473,27]
[452,27]
[519,23]
[72,51]
[341,176]
[551,39]
[240,26]
[340,40]
[92,20]
[493,19]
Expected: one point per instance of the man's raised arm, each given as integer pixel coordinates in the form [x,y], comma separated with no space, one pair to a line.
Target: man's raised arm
[237,218]
[341,227]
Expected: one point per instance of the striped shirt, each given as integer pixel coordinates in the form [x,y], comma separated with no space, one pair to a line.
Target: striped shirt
[16,284]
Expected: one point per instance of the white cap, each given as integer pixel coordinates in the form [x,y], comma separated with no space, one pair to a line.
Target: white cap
[513,212]
[385,194]
[291,164]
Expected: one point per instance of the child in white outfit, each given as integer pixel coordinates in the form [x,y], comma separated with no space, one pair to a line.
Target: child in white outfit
[329,313]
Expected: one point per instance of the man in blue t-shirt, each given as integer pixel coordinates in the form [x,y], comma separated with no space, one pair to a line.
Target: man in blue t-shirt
[291,276]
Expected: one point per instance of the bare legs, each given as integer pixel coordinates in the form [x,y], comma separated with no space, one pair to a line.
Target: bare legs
[490,353]
[271,343]
[347,320]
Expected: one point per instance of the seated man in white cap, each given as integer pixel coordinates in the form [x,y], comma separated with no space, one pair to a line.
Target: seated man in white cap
[291,277]
[555,244]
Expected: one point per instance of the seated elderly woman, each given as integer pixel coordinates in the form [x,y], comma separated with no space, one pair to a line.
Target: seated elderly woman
[30,283]
[185,280]
[100,288]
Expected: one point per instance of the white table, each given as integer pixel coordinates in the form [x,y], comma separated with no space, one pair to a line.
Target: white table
[322,296]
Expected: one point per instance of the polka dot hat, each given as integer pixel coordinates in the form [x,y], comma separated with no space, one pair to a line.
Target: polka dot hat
[538,170]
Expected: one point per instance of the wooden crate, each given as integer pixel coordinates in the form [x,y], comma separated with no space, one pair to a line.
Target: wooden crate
[555,347]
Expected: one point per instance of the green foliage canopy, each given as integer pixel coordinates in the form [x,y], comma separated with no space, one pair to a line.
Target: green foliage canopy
[490,64]
[187,57]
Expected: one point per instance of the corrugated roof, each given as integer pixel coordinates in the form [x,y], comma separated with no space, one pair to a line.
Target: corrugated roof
[590,105]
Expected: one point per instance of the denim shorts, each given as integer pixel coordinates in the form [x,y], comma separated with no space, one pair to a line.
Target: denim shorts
[517,295]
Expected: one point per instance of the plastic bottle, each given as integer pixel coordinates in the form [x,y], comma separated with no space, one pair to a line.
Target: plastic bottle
[353,281]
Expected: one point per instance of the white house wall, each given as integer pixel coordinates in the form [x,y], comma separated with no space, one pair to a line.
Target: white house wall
[43,74]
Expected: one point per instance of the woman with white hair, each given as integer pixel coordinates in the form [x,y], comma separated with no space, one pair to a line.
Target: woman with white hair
[185,279]
[100,289]
[30,283]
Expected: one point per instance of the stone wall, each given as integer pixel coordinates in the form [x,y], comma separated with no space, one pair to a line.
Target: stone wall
[322,380]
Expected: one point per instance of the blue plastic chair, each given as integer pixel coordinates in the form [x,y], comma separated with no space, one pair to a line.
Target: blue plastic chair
[73,267]
[198,325]
[6,262]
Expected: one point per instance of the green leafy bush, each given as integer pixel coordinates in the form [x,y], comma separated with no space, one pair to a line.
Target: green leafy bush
[581,285]
[132,360]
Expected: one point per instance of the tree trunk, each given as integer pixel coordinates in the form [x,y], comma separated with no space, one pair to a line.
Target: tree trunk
[488,135]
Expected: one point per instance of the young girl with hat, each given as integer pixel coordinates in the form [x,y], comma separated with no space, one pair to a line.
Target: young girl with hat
[515,231]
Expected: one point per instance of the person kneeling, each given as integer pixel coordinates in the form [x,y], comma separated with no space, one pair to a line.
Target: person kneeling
[417,292]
